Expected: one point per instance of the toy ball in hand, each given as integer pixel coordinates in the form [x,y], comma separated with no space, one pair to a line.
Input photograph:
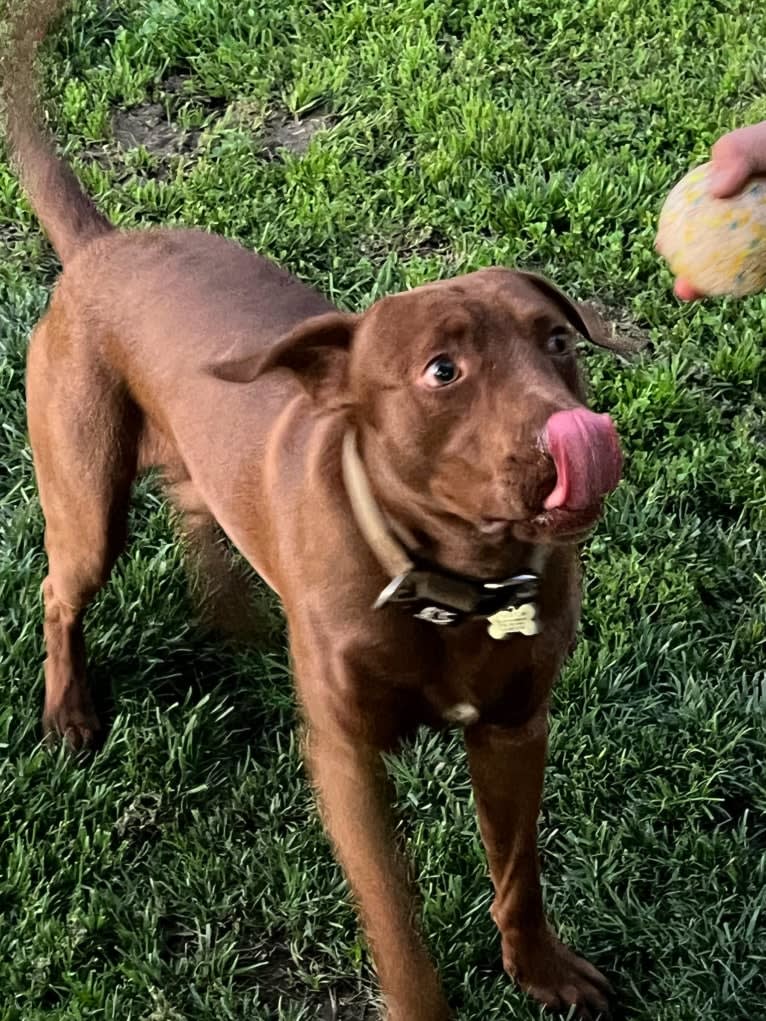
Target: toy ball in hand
[717,245]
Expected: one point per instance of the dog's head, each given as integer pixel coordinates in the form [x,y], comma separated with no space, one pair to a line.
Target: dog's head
[467,397]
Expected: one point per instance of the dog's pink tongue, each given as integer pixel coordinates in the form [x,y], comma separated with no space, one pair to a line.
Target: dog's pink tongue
[586,452]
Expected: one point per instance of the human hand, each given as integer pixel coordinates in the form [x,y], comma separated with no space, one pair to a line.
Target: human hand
[735,158]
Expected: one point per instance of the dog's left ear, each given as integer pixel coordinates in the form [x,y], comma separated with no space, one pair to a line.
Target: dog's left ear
[317,351]
[584,319]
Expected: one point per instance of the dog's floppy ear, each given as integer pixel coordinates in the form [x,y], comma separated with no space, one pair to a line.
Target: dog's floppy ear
[316,350]
[584,319]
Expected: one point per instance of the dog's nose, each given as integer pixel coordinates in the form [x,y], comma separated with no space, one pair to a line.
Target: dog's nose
[522,485]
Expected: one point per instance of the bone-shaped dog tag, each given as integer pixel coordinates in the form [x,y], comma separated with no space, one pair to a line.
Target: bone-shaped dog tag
[518,620]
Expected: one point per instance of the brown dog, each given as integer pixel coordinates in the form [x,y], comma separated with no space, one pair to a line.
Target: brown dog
[412,481]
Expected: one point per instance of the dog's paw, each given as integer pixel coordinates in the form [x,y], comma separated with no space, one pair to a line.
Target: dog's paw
[550,972]
[78,725]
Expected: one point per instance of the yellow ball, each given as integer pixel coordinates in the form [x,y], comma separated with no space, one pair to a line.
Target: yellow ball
[717,245]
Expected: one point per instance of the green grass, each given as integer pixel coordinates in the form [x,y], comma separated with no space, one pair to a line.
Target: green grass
[181,873]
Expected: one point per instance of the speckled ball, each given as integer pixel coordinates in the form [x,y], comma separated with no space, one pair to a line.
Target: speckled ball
[717,245]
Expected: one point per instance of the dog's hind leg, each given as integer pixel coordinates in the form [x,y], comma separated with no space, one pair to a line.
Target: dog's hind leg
[84,433]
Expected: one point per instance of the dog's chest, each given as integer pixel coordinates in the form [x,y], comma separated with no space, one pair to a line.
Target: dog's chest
[477,679]
[466,676]
[401,671]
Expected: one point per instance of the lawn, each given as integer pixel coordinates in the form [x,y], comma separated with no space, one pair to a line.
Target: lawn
[370,145]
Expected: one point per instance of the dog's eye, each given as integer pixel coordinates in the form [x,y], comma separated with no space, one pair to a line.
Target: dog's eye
[441,371]
[558,343]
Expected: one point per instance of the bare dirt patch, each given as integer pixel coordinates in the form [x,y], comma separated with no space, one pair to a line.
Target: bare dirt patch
[283,132]
[623,324]
[149,126]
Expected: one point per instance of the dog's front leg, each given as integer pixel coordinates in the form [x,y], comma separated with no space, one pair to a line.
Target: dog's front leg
[507,772]
[355,802]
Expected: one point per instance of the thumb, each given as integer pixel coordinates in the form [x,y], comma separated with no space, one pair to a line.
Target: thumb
[728,178]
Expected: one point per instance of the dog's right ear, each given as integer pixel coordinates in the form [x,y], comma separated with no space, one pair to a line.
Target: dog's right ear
[585,319]
[317,351]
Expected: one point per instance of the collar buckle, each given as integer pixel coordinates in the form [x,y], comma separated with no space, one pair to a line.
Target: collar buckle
[507,595]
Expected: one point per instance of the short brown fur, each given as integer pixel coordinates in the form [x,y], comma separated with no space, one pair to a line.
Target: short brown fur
[181,350]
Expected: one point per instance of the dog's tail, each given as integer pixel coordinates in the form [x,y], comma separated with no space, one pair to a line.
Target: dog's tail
[67,215]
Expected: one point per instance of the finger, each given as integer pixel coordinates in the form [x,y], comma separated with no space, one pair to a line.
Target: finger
[684,291]
[736,157]
[727,178]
